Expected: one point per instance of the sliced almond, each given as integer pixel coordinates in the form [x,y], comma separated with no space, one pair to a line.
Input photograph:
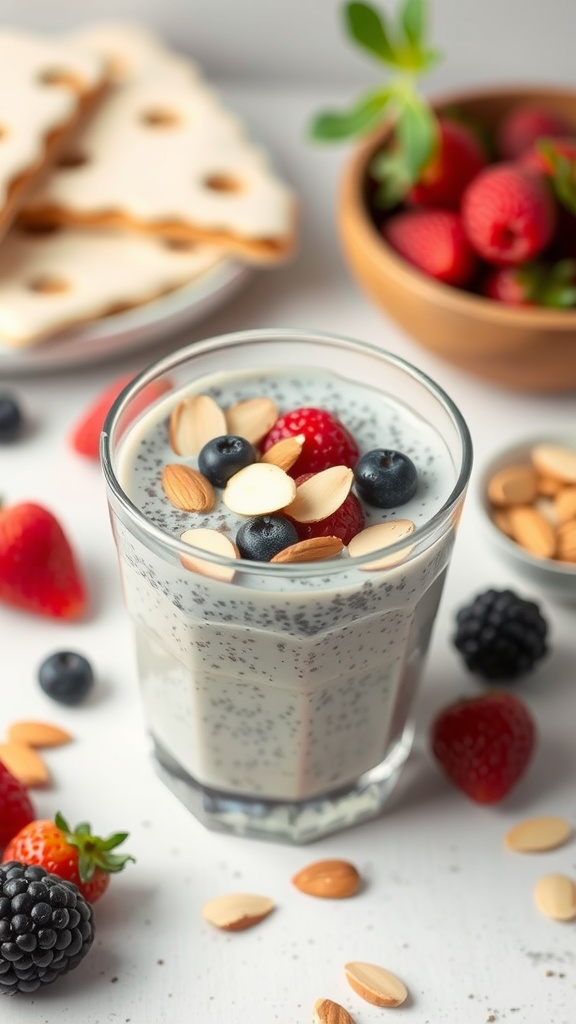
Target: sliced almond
[532,531]
[315,549]
[259,489]
[382,535]
[285,452]
[237,911]
[37,734]
[555,461]
[194,422]
[24,763]
[565,505]
[538,834]
[375,984]
[547,486]
[327,1012]
[513,485]
[555,896]
[566,542]
[215,542]
[251,418]
[187,489]
[321,495]
[328,879]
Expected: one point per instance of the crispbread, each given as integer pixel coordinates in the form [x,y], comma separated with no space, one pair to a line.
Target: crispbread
[163,156]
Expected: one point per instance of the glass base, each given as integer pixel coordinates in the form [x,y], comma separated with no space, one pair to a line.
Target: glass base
[296,822]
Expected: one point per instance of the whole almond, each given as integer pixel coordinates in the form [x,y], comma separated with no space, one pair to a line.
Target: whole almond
[513,485]
[187,489]
[555,461]
[37,734]
[321,495]
[194,422]
[285,452]
[565,504]
[532,531]
[315,549]
[237,911]
[215,542]
[566,542]
[252,418]
[327,1012]
[328,879]
[555,896]
[375,984]
[538,834]
[24,763]
[381,535]
[259,489]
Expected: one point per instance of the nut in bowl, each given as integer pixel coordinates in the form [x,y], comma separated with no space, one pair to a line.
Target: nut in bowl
[528,497]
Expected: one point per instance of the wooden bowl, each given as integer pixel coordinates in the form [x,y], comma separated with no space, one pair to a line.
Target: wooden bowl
[529,349]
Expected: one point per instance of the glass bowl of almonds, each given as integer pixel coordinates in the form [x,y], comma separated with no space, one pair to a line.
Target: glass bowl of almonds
[528,495]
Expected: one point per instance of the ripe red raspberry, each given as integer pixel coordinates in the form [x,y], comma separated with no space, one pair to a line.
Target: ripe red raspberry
[458,158]
[345,522]
[520,129]
[509,285]
[509,214]
[327,442]
[544,155]
[435,242]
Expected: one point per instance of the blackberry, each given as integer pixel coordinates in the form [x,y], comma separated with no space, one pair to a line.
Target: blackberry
[45,927]
[501,635]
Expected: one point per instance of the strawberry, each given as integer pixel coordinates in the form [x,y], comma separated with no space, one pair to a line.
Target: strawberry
[458,157]
[38,569]
[435,242]
[484,744]
[345,522]
[85,434]
[521,128]
[509,214]
[327,442]
[73,854]
[16,808]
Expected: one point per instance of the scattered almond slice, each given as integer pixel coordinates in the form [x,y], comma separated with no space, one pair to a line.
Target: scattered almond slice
[24,763]
[194,422]
[536,835]
[328,879]
[216,543]
[555,461]
[566,541]
[285,452]
[187,489]
[565,504]
[532,531]
[252,418]
[315,549]
[328,1012]
[259,489]
[237,911]
[375,984]
[382,535]
[555,896]
[37,734]
[321,495]
[513,485]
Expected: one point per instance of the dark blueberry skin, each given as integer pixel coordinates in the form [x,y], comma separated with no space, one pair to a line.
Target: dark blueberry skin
[262,537]
[66,677]
[10,418]
[385,478]
[222,457]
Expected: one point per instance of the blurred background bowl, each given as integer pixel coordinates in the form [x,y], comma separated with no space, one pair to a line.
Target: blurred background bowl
[529,349]
[548,577]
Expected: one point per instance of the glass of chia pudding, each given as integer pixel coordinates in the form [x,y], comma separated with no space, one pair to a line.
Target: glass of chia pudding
[284,505]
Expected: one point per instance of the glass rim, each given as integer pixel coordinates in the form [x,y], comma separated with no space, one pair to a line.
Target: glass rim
[281,570]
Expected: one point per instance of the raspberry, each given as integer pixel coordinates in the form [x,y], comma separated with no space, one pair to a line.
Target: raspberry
[458,158]
[327,442]
[345,522]
[509,285]
[520,129]
[435,242]
[501,635]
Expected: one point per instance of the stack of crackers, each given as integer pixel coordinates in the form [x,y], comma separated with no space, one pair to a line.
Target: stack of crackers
[123,178]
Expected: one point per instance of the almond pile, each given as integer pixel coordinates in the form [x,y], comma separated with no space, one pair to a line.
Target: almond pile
[534,503]
[20,754]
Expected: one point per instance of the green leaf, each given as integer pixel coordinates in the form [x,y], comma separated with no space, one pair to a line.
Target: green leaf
[114,840]
[86,865]
[366,114]
[368,28]
[412,18]
[114,862]
[416,131]
[389,169]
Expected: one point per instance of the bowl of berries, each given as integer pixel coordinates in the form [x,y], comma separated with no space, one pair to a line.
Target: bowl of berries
[458,217]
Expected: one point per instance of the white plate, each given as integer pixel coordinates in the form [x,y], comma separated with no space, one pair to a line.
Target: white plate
[132,329]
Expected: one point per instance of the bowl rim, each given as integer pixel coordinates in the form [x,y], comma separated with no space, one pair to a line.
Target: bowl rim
[457,300]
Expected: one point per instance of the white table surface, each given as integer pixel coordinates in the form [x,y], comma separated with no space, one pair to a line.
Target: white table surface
[444,905]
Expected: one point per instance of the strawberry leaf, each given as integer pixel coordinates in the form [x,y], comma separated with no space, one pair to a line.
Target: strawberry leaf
[364,115]
[367,27]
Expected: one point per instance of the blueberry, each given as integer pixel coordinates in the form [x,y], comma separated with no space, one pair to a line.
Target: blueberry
[385,478]
[10,418]
[262,537]
[66,677]
[224,456]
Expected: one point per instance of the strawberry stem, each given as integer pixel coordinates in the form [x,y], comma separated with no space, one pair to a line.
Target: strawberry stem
[93,851]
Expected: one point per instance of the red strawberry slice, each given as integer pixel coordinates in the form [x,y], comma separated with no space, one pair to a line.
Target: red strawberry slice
[85,435]
[521,128]
[484,744]
[327,442]
[344,523]
[16,808]
[458,158]
[434,241]
[509,214]
[38,569]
